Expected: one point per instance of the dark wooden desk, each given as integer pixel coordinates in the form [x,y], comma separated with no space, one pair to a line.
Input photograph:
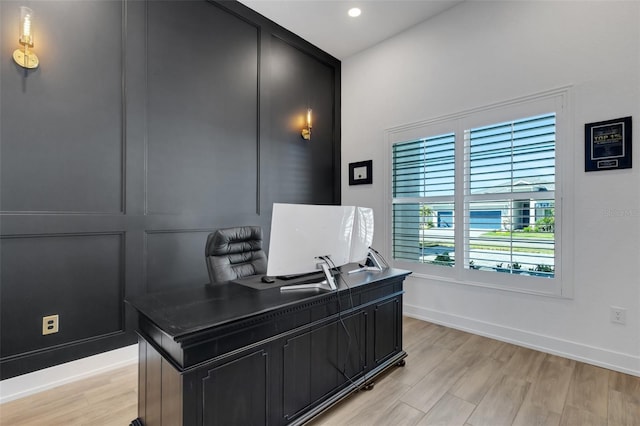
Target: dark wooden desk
[233,355]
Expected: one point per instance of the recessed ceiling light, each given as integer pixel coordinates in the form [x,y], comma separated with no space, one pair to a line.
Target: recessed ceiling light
[354,12]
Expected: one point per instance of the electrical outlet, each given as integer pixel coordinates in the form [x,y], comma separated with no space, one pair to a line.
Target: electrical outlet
[50,324]
[618,315]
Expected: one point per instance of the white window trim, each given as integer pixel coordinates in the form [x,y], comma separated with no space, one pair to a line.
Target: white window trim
[561,285]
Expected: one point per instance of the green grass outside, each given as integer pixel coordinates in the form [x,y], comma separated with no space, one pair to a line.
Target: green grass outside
[491,248]
[502,234]
[514,249]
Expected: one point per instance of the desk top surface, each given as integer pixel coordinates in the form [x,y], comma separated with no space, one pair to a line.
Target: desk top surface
[180,313]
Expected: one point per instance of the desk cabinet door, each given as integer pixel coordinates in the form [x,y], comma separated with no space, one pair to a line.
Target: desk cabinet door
[388,333]
[235,393]
[314,362]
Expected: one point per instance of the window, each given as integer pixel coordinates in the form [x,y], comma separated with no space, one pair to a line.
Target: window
[509,196]
[480,202]
[423,193]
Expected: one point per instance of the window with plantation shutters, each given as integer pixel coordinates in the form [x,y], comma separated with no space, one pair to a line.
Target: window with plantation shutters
[476,197]
[509,196]
[423,190]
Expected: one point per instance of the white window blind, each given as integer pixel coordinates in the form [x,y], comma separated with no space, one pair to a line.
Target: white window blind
[509,200]
[423,185]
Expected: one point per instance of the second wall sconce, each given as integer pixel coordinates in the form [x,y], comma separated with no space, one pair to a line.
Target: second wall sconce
[24,57]
[306,131]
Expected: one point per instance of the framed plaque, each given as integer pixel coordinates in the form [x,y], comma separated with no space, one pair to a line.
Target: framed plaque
[360,172]
[607,145]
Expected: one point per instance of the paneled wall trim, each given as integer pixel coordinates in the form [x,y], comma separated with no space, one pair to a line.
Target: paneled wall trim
[147,125]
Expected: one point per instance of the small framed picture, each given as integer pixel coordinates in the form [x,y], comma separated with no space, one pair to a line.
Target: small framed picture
[607,145]
[360,173]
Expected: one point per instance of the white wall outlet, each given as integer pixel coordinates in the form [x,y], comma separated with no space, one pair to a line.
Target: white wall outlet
[618,315]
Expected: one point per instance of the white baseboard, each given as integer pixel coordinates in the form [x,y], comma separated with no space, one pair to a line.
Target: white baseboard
[38,381]
[624,363]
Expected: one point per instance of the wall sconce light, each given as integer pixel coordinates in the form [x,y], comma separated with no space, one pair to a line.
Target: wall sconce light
[306,131]
[24,57]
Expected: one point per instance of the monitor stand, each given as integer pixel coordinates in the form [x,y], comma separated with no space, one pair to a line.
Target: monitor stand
[329,283]
[373,259]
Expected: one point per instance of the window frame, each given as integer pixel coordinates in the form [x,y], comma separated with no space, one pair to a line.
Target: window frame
[556,101]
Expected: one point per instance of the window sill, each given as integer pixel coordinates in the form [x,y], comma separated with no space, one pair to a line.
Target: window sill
[492,286]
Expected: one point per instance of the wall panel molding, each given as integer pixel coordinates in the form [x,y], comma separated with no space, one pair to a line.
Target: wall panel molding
[206,137]
[77,168]
[132,142]
[78,276]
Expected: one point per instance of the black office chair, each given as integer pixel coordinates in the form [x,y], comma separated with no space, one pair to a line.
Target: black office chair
[233,253]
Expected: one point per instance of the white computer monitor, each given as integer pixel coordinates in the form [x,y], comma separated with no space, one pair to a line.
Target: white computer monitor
[301,234]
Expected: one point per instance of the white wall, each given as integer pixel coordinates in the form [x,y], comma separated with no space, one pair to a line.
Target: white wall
[483,52]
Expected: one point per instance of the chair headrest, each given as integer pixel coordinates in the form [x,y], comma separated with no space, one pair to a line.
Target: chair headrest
[234,240]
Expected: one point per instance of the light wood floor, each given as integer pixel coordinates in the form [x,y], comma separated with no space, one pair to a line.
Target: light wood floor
[451,378]
[107,399]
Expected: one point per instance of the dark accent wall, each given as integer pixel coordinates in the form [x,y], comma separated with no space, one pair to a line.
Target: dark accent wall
[146,126]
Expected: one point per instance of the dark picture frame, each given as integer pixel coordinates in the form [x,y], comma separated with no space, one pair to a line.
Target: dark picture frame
[360,173]
[607,145]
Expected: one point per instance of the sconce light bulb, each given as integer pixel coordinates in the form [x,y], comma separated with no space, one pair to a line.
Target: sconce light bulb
[306,130]
[24,57]
[26,20]
[27,26]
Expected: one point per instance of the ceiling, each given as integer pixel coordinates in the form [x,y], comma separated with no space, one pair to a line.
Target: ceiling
[325,23]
